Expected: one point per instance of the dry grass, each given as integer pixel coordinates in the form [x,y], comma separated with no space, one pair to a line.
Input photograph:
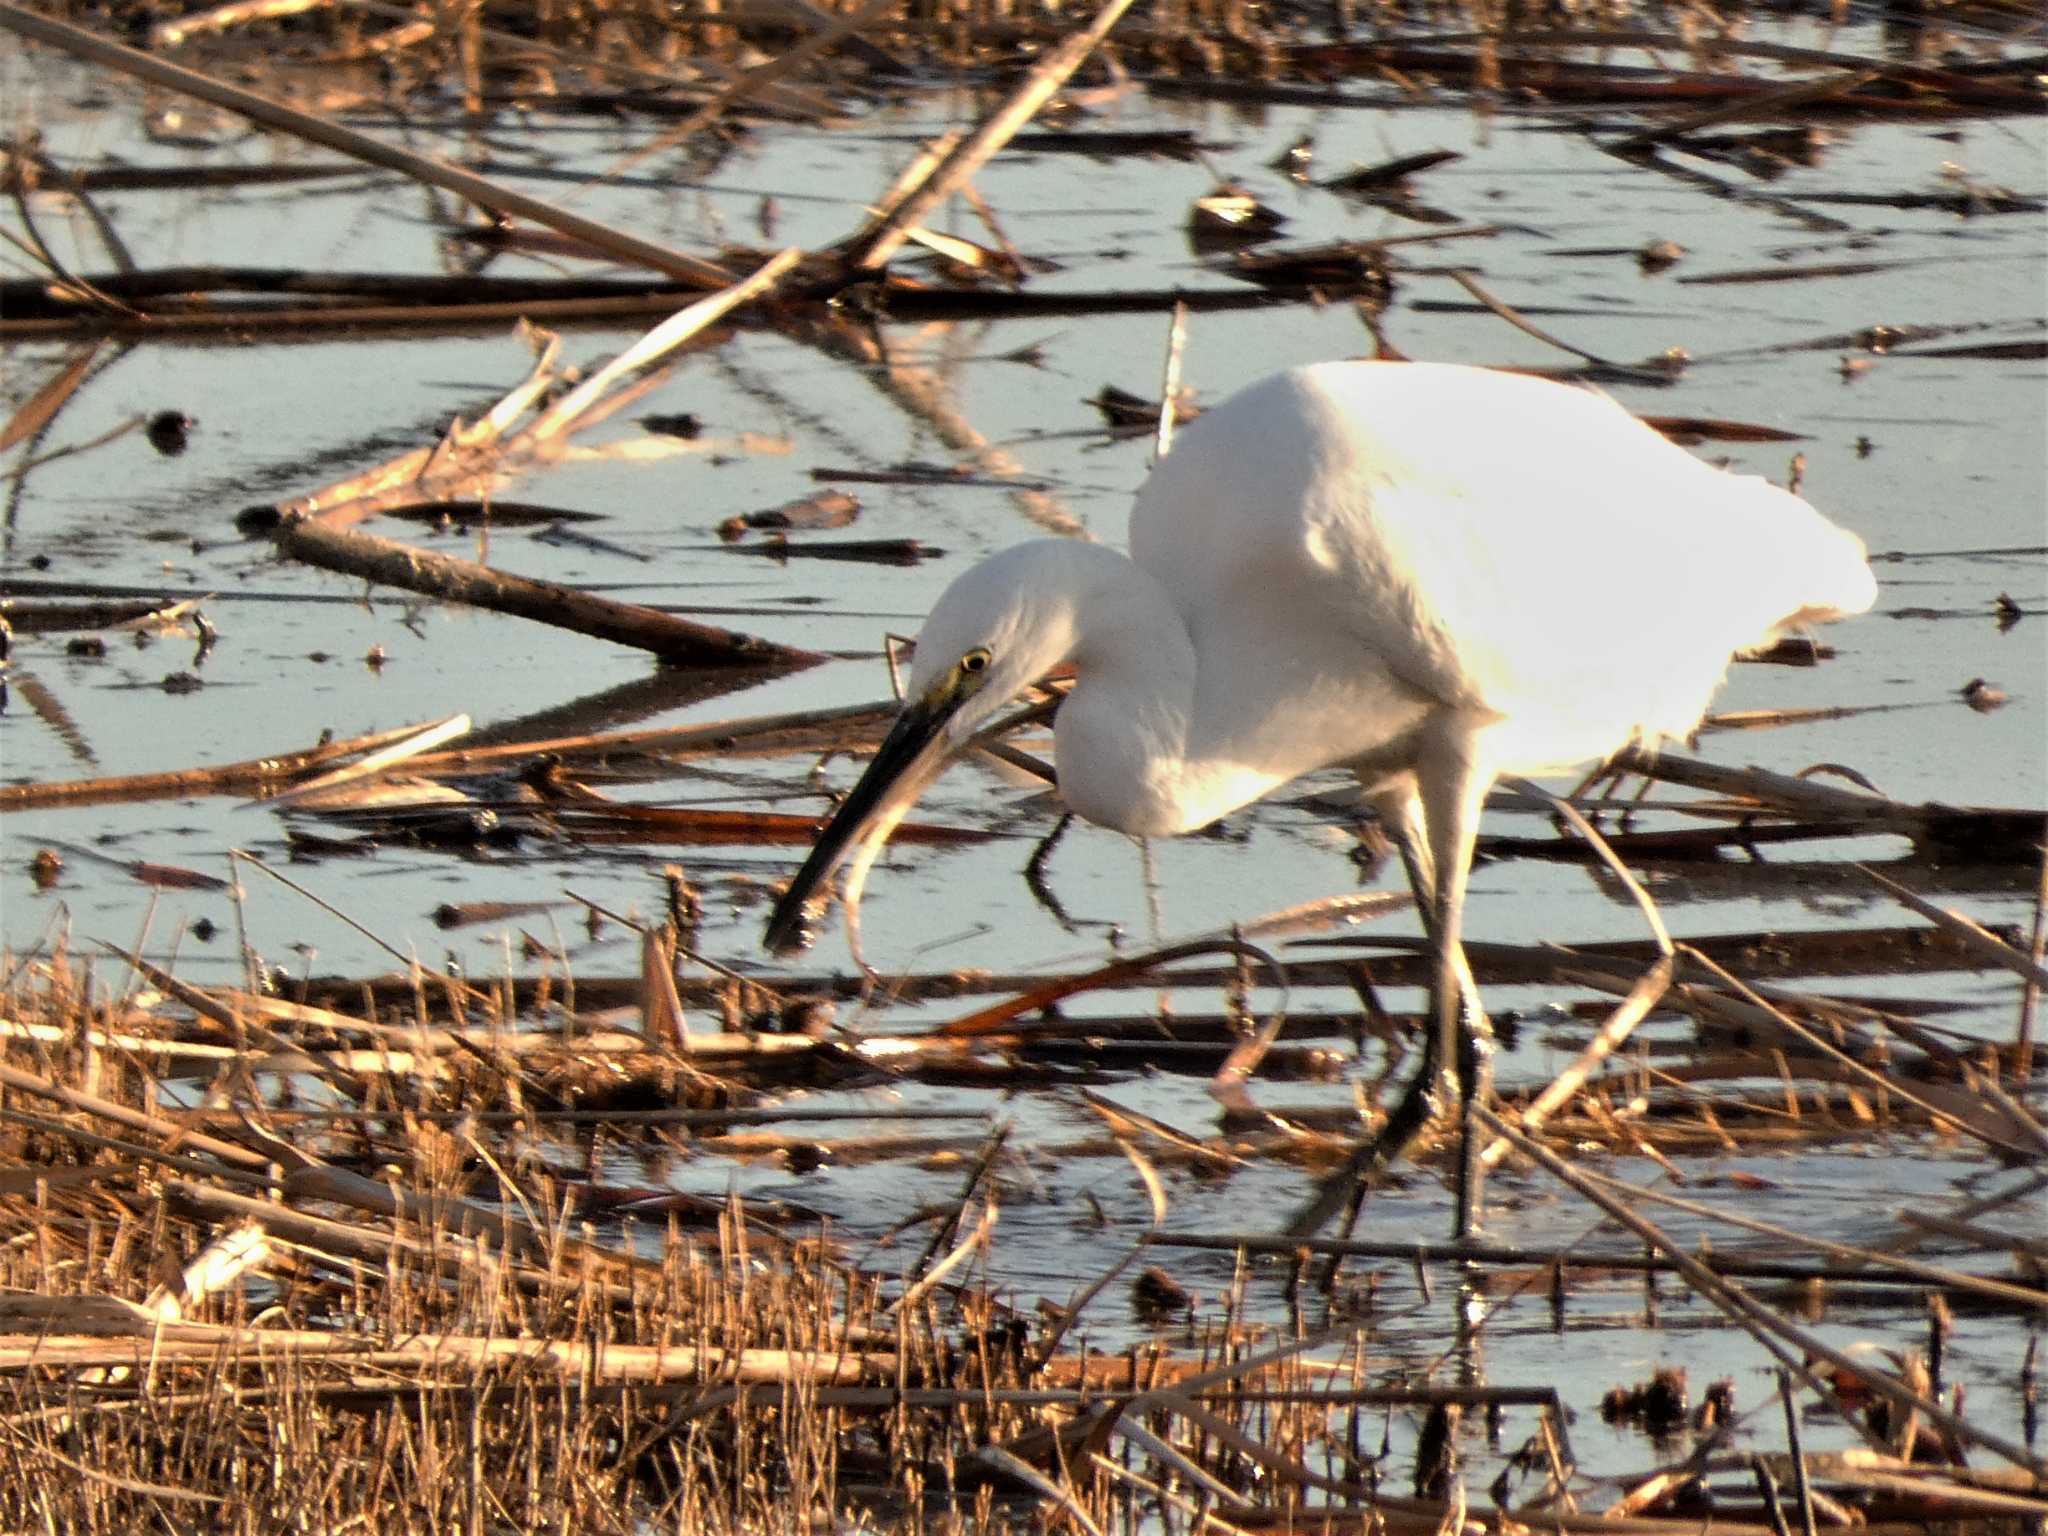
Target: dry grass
[217,1327]
[364,1294]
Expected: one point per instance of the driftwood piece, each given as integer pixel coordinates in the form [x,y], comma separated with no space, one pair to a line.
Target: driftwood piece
[677,641]
[51,618]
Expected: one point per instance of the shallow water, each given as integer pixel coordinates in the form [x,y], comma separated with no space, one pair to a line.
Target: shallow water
[1934,460]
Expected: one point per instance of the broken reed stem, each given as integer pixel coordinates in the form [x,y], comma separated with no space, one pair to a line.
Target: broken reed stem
[162,1345]
[1511,1255]
[276,115]
[1767,104]
[424,739]
[2030,989]
[1612,1034]
[756,80]
[346,1084]
[35,414]
[132,1151]
[1973,934]
[245,777]
[249,777]
[973,1243]
[1884,1084]
[245,860]
[1071,1313]
[576,407]
[1934,1276]
[1806,799]
[1801,1484]
[990,1151]
[1762,1323]
[308,529]
[1038,997]
[170,1130]
[1614,1031]
[884,237]
[1169,381]
[1529,327]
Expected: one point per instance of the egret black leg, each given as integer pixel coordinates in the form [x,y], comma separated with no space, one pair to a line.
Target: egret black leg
[1422,1102]
[1456,1068]
[1458,1056]
[1475,1087]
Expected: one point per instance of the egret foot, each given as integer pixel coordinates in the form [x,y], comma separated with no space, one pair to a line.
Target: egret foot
[1434,1096]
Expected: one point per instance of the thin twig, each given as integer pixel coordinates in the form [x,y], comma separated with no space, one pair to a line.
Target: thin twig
[1763,1324]
[886,236]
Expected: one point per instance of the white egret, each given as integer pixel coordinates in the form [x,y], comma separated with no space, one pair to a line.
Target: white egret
[1432,575]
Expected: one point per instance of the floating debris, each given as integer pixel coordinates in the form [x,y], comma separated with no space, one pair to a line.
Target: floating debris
[1659,1405]
[825,509]
[1230,215]
[169,432]
[1983,696]
[1660,255]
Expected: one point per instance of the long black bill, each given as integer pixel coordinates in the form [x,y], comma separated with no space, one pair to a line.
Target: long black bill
[910,757]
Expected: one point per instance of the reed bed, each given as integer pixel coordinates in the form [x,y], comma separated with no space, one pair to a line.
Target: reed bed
[273,1262]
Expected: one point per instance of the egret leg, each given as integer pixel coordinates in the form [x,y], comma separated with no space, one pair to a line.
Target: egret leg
[1452,777]
[1346,1188]
[1404,821]
[1438,1083]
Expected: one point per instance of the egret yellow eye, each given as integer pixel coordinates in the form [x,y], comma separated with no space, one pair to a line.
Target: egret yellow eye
[975,661]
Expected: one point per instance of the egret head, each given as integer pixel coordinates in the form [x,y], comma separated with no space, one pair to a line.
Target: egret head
[998,628]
